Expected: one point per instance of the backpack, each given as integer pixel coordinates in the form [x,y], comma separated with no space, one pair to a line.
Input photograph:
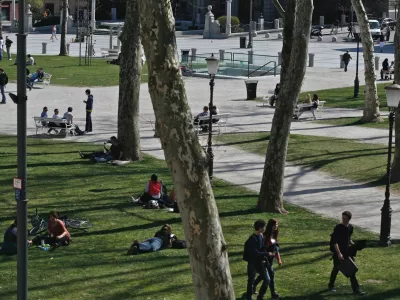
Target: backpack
[178,244]
[247,255]
[152,204]
[332,244]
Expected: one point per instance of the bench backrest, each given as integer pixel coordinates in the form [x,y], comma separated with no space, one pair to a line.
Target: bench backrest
[59,121]
[215,117]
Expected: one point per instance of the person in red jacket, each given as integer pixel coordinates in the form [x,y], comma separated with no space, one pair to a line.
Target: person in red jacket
[271,246]
[153,191]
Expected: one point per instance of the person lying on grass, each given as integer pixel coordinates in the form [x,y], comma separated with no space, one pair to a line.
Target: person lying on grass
[162,239]
[9,246]
[58,234]
[114,153]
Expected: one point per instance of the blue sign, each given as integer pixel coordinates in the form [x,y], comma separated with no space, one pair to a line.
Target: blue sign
[17,195]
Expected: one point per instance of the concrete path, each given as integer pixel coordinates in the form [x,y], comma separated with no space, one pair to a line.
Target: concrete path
[319,192]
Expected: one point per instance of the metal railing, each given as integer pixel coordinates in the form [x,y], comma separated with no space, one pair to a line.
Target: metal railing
[263,66]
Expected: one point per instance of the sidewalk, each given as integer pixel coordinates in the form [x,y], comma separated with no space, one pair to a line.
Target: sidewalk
[317,191]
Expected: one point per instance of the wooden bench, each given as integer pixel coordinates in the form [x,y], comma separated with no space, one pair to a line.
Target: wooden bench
[42,123]
[301,106]
[45,81]
[267,97]
[222,122]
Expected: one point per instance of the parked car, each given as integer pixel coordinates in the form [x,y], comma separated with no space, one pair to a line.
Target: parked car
[375,29]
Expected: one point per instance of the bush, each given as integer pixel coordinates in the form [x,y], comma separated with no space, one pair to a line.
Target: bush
[235,22]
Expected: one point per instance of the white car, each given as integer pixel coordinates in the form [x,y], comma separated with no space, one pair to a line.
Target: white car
[387,20]
[375,29]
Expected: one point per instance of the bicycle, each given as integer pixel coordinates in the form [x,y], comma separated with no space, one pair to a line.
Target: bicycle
[39,225]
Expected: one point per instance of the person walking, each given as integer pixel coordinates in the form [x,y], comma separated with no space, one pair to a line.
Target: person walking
[53,33]
[350,29]
[388,33]
[3,83]
[381,41]
[8,46]
[341,247]
[1,47]
[89,109]
[346,59]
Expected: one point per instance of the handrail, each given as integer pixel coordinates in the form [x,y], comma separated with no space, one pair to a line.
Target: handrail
[274,62]
[270,71]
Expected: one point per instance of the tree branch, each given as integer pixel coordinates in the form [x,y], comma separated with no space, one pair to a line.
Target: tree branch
[279,7]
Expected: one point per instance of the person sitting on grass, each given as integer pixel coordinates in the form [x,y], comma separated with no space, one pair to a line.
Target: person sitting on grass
[58,235]
[114,153]
[9,246]
[153,191]
[162,239]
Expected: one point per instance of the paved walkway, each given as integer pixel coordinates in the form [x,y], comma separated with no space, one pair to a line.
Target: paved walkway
[319,192]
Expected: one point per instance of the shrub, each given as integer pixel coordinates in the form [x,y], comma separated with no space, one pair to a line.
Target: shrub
[235,22]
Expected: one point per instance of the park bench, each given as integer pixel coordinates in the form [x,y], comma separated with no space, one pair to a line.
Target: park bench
[301,106]
[222,122]
[104,52]
[46,80]
[267,97]
[42,123]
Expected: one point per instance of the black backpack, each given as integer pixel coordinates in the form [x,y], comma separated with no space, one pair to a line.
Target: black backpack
[247,255]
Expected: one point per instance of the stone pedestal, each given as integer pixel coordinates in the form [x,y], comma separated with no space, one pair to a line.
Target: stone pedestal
[311,59]
[261,23]
[377,63]
[267,35]
[276,24]
[194,53]
[44,48]
[221,55]
[280,36]
[68,45]
[250,57]
[341,61]
[321,20]
[28,19]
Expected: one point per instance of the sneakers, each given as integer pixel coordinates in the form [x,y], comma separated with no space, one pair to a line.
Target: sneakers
[359,293]
[275,296]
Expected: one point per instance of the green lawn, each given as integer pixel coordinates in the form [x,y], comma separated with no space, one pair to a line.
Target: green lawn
[95,265]
[360,162]
[67,72]
[355,122]
[343,97]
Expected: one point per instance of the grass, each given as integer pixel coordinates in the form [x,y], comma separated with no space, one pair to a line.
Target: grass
[343,97]
[67,72]
[95,266]
[359,162]
[355,122]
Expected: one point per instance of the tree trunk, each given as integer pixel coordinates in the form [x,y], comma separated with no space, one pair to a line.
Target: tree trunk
[186,159]
[396,160]
[64,24]
[371,110]
[129,83]
[297,29]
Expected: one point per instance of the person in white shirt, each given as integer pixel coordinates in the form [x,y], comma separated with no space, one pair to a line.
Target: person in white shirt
[30,61]
[68,116]
[1,47]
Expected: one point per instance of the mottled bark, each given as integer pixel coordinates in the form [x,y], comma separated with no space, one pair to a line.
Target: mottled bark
[64,24]
[183,153]
[396,160]
[129,83]
[294,59]
[279,8]
[371,106]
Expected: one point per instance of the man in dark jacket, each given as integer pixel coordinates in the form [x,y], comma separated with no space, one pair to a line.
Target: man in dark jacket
[8,46]
[346,59]
[89,108]
[255,257]
[3,83]
[341,242]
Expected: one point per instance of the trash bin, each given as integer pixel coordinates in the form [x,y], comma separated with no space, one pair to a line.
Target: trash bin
[242,42]
[44,48]
[251,86]
[185,55]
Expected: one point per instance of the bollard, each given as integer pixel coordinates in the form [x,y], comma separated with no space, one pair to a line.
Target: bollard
[194,53]
[311,59]
[341,61]
[279,58]
[221,55]
[320,39]
[280,36]
[377,63]
[334,39]
[321,20]
[44,48]
[276,24]
[267,35]
[250,55]
[68,45]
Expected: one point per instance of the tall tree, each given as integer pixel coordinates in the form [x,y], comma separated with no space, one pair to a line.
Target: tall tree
[129,83]
[371,107]
[64,25]
[396,161]
[184,155]
[296,32]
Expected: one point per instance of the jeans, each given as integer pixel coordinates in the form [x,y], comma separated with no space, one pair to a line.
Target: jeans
[88,126]
[353,280]
[3,95]
[150,245]
[345,65]
[252,270]
[8,53]
[271,273]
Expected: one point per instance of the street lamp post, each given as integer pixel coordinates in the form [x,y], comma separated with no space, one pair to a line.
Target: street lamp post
[392,98]
[212,65]
[356,28]
[250,44]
